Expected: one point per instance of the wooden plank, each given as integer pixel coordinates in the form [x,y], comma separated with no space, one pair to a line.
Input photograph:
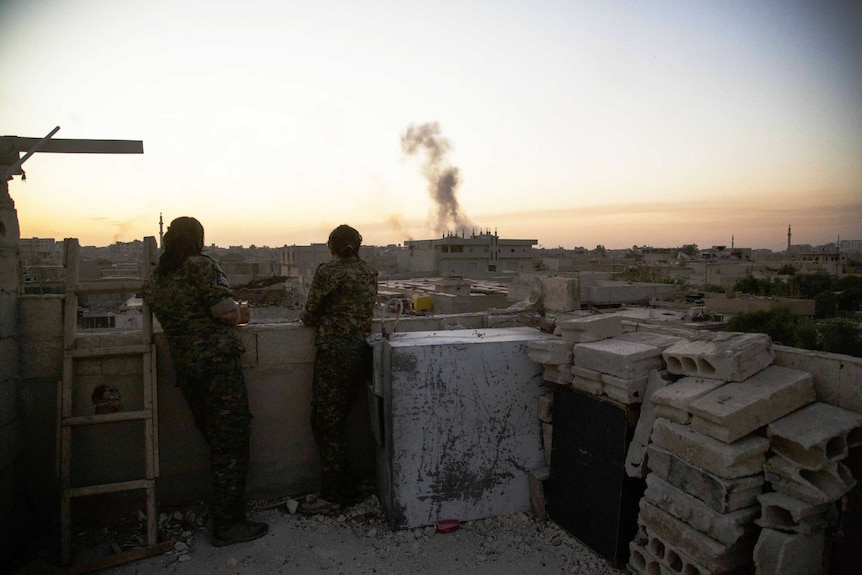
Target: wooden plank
[110,351]
[106,418]
[110,488]
[155,392]
[120,558]
[72,146]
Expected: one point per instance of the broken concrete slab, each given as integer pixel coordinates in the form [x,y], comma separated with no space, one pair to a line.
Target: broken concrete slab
[791,515]
[659,340]
[727,528]
[816,435]
[546,407]
[549,351]
[625,391]
[727,356]
[778,553]
[728,460]
[739,408]
[636,454]
[823,485]
[620,358]
[591,328]
[713,555]
[723,495]
[672,402]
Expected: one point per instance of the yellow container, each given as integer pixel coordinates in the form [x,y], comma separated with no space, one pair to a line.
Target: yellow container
[422,303]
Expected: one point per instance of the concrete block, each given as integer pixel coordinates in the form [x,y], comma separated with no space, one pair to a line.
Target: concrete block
[714,556]
[591,328]
[10,275]
[625,391]
[561,294]
[41,315]
[727,528]
[728,460]
[636,454]
[816,435]
[672,401]
[778,553]
[538,477]
[723,495]
[587,380]
[659,340]
[814,486]
[546,407]
[789,514]
[739,408]
[727,356]
[553,351]
[836,377]
[561,374]
[42,356]
[547,441]
[620,358]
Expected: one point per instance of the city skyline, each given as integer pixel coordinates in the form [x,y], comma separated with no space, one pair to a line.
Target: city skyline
[573,123]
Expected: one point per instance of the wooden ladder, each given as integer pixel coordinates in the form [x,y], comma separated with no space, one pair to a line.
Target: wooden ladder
[69,421]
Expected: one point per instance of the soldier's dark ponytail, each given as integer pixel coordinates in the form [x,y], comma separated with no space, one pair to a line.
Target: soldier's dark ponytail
[184,238]
[344,241]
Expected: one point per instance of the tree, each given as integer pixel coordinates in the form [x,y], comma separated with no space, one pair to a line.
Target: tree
[690,249]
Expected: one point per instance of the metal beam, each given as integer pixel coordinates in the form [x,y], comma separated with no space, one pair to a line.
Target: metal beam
[69,146]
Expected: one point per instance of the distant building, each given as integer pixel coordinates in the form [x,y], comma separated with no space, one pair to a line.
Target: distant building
[454,255]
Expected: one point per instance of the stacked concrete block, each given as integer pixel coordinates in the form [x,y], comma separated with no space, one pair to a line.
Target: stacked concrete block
[615,367]
[555,355]
[726,356]
[672,402]
[636,454]
[808,477]
[740,408]
[590,328]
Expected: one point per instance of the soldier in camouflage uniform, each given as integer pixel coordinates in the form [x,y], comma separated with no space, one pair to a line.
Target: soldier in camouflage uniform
[190,296]
[340,305]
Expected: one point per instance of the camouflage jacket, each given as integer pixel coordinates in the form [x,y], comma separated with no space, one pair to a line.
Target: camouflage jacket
[181,301]
[341,299]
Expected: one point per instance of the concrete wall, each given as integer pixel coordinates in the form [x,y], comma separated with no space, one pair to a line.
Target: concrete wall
[277,365]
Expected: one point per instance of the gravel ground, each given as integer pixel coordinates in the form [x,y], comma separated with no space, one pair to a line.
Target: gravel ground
[360,542]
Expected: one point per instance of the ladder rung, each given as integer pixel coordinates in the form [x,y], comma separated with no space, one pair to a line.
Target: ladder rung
[109,286]
[109,351]
[110,487]
[107,418]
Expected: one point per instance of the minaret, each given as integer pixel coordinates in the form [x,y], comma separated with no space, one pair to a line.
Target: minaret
[788,237]
[731,242]
[161,229]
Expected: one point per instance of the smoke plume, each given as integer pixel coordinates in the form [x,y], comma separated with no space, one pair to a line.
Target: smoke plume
[442,178]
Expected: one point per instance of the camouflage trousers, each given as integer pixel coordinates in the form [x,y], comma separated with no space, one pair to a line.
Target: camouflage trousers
[218,401]
[342,368]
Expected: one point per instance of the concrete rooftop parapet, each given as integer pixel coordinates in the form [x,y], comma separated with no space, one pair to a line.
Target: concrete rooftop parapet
[792,515]
[729,460]
[723,495]
[712,555]
[727,356]
[554,351]
[778,553]
[727,528]
[823,485]
[816,435]
[620,358]
[739,408]
[591,328]
[672,401]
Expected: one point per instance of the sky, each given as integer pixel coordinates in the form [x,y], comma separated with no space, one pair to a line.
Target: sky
[571,122]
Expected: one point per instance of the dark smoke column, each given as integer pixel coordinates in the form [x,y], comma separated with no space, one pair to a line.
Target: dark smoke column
[442,178]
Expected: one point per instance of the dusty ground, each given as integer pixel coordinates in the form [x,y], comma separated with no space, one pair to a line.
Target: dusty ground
[356,543]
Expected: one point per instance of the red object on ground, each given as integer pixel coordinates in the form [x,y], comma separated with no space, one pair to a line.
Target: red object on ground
[446,525]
